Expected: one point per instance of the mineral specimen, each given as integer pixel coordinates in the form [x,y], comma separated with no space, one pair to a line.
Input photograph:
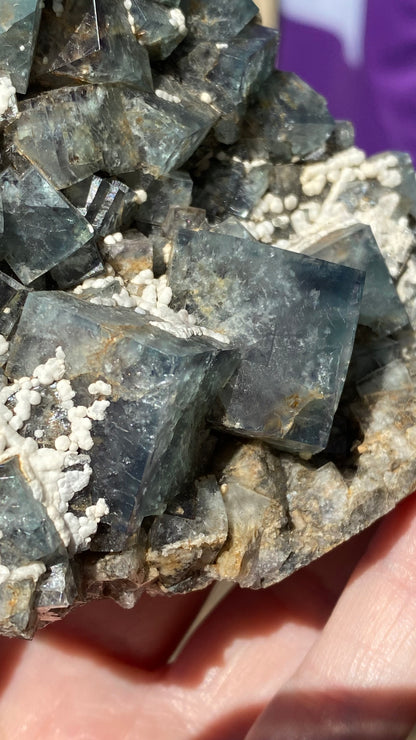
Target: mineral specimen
[184,234]
[381,308]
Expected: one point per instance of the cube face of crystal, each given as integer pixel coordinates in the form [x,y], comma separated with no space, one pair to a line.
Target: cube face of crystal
[278,307]
[355,246]
[246,63]
[41,227]
[68,37]
[85,263]
[146,447]
[160,34]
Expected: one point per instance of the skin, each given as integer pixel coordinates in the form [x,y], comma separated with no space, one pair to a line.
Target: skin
[328,653]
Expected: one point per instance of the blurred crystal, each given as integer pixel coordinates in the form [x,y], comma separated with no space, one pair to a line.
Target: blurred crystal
[217,20]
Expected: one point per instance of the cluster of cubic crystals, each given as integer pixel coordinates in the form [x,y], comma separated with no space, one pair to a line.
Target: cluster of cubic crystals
[207,300]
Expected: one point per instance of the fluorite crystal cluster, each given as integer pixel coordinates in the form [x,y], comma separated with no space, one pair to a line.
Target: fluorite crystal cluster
[207,300]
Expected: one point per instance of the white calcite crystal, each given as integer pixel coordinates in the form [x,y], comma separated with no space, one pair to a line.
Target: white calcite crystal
[53,475]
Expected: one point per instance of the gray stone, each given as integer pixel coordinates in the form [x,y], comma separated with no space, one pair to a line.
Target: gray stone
[182,543]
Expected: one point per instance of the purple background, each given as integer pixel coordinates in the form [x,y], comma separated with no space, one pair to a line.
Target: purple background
[380,96]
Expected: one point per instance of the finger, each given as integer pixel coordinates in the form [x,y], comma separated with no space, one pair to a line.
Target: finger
[144,636]
[218,686]
[254,641]
[359,678]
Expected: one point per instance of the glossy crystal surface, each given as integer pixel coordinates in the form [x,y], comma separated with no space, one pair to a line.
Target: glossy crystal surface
[41,228]
[106,127]
[161,387]
[276,306]
[355,246]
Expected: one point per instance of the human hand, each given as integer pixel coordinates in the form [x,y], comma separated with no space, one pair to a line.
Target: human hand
[342,658]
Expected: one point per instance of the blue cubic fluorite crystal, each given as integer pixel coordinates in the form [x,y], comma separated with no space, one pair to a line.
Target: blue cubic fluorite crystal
[85,263]
[231,73]
[105,203]
[28,534]
[355,246]
[73,132]
[41,228]
[217,20]
[290,118]
[156,25]
[148,445]
[90,41]
[294,320]
[174,188]
[228,188]
[28,538]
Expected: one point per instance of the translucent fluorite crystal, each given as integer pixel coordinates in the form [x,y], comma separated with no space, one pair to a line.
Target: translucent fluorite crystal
[160,30]
[355,246]
[217,20]
[90,42]
[165,324]
[28,543]
[276,306]
[41,227]
[105,203]
[290,117]
[12,297]
[161,389]
[107,127]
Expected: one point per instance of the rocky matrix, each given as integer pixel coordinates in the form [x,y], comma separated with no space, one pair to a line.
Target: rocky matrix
[207,302]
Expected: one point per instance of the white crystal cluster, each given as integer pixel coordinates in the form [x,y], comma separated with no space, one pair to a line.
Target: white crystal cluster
[319,208]
[55,474]
[7,93]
